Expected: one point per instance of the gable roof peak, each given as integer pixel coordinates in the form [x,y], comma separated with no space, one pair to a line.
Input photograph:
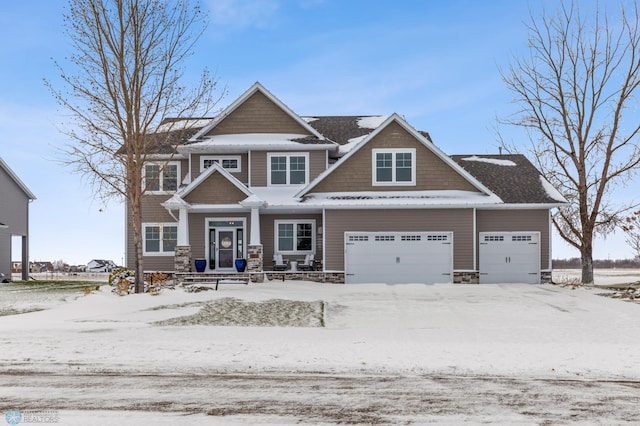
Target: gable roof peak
[16,179]
[256,87]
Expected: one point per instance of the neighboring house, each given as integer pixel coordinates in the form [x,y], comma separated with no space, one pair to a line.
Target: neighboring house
[101,265]
[14,219]
[370,197]
[41,267]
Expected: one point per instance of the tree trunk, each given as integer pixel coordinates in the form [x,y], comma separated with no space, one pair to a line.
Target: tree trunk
[137,243]
[586,254]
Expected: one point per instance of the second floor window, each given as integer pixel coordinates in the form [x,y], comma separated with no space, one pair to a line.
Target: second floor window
[160,177]
[288,169]
[394,167]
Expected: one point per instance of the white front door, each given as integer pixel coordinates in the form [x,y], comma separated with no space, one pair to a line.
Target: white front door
[509,257]
[398,257]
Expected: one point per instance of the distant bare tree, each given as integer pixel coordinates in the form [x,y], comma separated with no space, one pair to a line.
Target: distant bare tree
[577,93]
[123,78]
[631,227]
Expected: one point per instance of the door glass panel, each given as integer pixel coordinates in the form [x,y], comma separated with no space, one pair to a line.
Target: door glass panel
[225,249]
[212,249]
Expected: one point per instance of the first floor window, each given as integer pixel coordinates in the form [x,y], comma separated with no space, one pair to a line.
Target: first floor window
[160,239]
[294,236]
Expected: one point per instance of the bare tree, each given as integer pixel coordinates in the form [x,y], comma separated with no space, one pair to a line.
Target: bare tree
[125,72]
[577,93]
[631,227]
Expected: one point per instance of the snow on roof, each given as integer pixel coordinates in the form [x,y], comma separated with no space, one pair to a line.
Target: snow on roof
[309,119]
[351,144]
[277,196]
[248,141]
[400,198]
[372,122]
[552,192]
[495,161]
[181,124]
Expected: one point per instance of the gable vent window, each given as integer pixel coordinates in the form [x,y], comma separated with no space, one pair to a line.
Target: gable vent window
[411,238]
[521,238]
[385,238]
[494,238]
[230,163]
[394,167]
[437,237]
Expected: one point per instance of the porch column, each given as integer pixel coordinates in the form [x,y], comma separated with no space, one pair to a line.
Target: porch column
[183,228]
[255,227]
[182,260]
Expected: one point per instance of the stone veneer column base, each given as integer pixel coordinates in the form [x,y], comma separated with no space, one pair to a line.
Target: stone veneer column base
[255,262]
[466,277]
[545,277]
[182,260]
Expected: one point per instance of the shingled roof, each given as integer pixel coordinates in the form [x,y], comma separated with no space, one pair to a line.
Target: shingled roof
[511,177]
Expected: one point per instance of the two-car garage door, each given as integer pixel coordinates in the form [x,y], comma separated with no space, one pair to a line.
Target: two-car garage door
[398,257]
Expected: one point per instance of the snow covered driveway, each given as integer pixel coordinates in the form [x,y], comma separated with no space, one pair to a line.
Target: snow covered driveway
[531,348]
[278,398]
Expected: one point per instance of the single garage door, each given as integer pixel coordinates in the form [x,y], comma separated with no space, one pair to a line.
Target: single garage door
[509,257]
[398,257]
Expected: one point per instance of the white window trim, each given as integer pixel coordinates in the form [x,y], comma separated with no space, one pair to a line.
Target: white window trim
[288,155]
[394,151]
[276,241]
[220,158]
[162,165]
[161,225]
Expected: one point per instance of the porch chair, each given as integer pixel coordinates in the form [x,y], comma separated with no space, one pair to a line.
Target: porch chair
[306,264]
[280,264]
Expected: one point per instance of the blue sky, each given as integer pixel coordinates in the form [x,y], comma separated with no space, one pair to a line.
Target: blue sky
[434,62]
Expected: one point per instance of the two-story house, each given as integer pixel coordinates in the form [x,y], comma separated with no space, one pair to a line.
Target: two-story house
[370,198]
[14,220]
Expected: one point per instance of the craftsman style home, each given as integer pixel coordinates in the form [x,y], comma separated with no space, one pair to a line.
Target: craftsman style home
[354,199]
[14,220]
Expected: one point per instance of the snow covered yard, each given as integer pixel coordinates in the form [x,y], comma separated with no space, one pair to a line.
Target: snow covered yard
[533,335]
[507,329]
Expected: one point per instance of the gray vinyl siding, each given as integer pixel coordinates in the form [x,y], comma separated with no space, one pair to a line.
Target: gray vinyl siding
[14,212]
[259,167]
[458,221]
[267,235]
[14,205]
[518,221]
[5,252]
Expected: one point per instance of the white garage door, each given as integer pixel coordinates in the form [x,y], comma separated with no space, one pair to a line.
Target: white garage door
[509,257]
[398,257]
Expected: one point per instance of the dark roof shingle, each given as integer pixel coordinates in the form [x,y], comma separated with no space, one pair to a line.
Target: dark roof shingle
[515,184]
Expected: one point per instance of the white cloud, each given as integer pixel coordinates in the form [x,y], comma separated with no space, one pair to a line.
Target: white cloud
[230,15]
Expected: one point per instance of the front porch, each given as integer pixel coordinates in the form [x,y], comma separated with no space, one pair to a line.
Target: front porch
[186,278]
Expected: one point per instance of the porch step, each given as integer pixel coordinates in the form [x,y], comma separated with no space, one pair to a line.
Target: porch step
[217,278]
